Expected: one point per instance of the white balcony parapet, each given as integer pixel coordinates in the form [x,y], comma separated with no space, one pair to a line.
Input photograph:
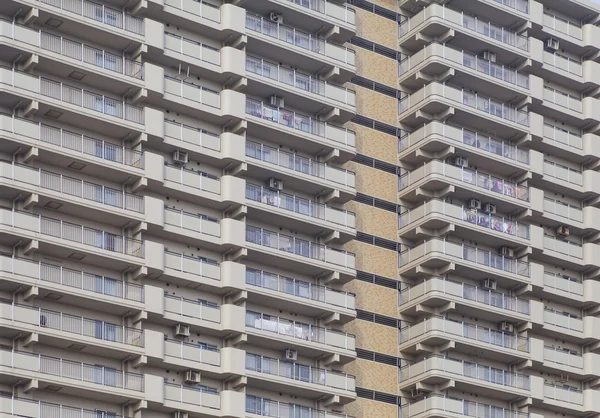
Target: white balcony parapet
[192,221]
[467,176]
[563,246]
[303,248]
[293,161]
[71,140]
[562,62]
[192,135]
[565,210]
[481,27]
[199,8]
[23,407]
[563,320]
[562,356]
[300,372]
[519,5]
[196,266]
[74,279]
[464,291]
[563,136]
[194,395]
[192,308]
[563,282]
[193,92]
[467,214]
[300,288]
[192,48]
[299,80]
[465,252]
[454,406]
[329,8]
[192,352]
[563,26]
[563,393]
[463,329]
[300,122]
[192,178]
[300,39]
[72,232]
[300,205]
[71,186]
[299,330]
[466,369]
[563,99]
[465,136]
[269,408]
[100,13]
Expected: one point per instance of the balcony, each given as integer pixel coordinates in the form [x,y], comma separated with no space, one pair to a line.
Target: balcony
[335,11]
[78,145]
[304,41]
[462,292]
[302,125]
[563,283]
[563,99]
[190,135]
[562,357]
[200,396]
[493,33]
[298,332]
[191,48]
[435,131]
[67,281]
[563,320]
[569,248]
[563,210]
[303,376]
[439,405]
[192,308]
[256,406]
[201,224]
[200,8]
[192,178]
[300,247]
[564,393]
[563,26]
[192,267]
[178,349]
[23,407]
[304,83]
[193,92]
[563,63]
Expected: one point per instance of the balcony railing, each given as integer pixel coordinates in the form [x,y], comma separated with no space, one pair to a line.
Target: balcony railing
[563,320]
[465,330]
[299,205]
[467,98]
[193,92]
[300,80]
[464,291]
[293,161]
[563,282]
[563,62]
[192,48]
[100,13]
[192,178]
[192,308]
[197,396]
[464,252]
[192,352]
[300,247]
[72,232]
[299,288]
[466,369]
[71,141]
[564,357]
[300,122]
[329,8]
[563,393]
[300,39]
[563,172]
[459,407]
[72,324]
[108,106]
[519,5]
[71,186]
[71,278]
[474,216]
[563,26]
[563,99]
[481,27]
[299,330]
[200,8]
[192,221]
[23,407]
[563,136]
[192,135]
[196,266]
[268,408]
[467,176]
[467,137]
[563,246]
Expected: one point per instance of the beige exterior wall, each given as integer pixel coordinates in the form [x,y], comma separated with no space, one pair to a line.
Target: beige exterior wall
[376,67]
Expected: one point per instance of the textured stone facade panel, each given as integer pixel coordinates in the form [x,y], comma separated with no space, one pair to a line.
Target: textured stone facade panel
[376,67]
[376,105]
[373,298]
[374,259]
[374,337]
[375,376]
[375,144]
[374,221]
[376,28]
[375,182]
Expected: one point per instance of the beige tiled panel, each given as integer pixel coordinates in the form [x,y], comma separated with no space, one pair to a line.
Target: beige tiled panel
[364,408]
[373,298]
[375,376]
[376,106]
[374,259]
[375,144]
[374,182]
[376,67]
[376,28]
[374,337]
[374,221]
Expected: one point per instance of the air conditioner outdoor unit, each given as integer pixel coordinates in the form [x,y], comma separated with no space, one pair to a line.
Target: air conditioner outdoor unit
[192,377]
[563,230]
[276,17]
[474,203]
[489,208]
[506,327]
[461,162]
[489,55]
[275,184]
[182,330]
[276,101]
[180,414]
[489,284]
[290,354]
[552,44]
[507,252]
[180,157]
